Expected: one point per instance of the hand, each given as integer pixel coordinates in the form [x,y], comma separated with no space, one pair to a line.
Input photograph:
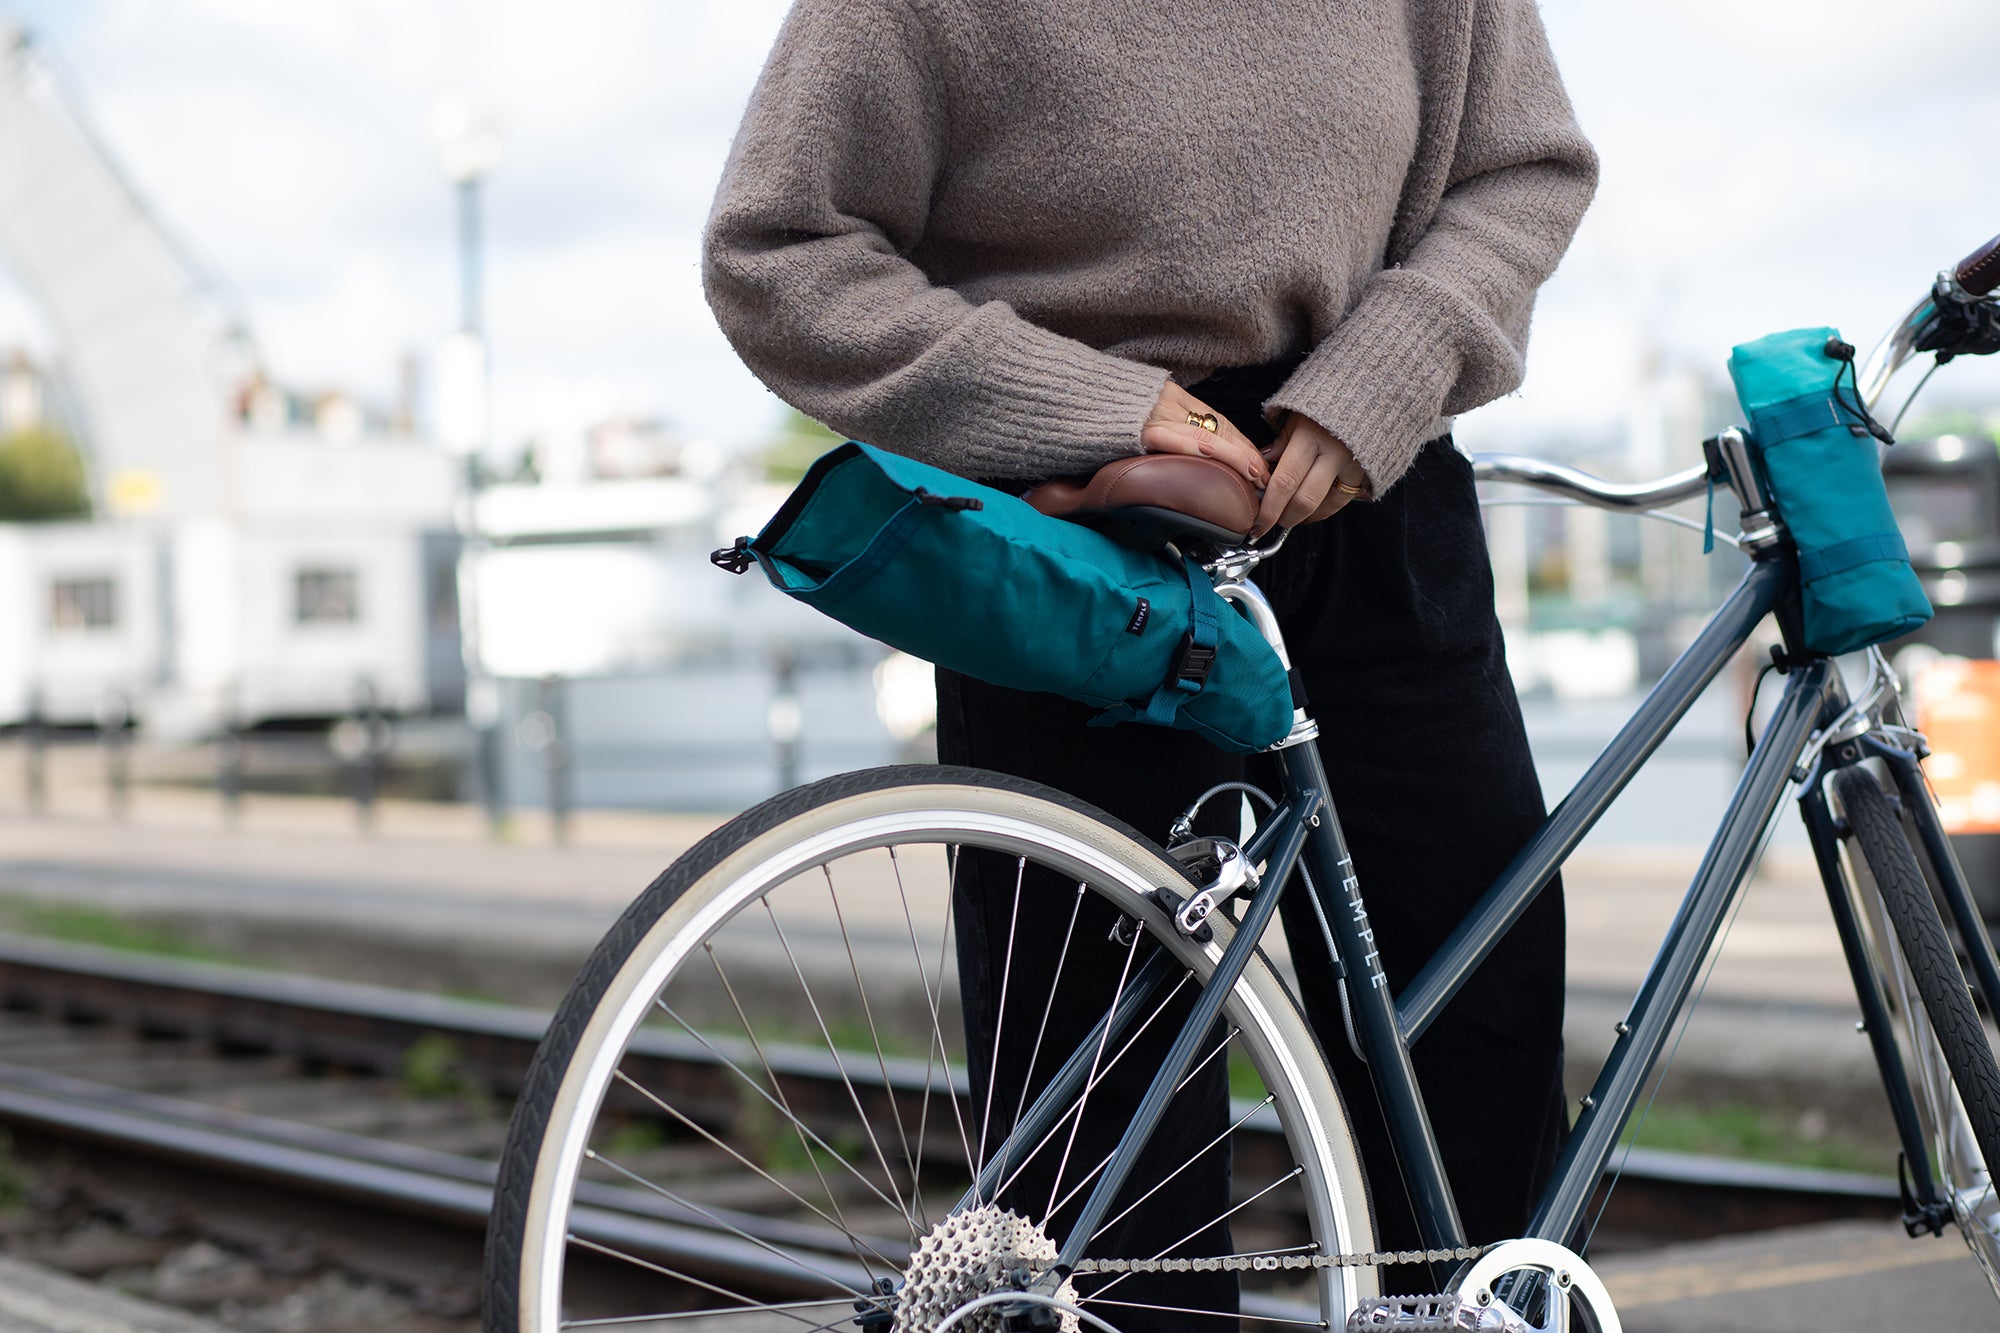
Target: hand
[1308,460]
[1168,431]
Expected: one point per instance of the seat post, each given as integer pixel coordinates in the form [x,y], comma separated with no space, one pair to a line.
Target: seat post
[1234,586]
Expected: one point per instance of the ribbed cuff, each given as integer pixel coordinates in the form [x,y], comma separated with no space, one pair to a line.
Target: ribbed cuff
[1043,405]
[1379,382]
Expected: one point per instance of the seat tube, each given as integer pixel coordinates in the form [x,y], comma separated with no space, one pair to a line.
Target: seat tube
[1373,1009]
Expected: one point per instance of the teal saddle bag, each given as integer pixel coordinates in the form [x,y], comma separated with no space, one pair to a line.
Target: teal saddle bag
[1824,473]
[979,581]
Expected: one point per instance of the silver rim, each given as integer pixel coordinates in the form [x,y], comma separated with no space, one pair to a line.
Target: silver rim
[829,937]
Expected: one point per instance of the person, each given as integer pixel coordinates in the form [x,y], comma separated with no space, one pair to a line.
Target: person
[1023,238]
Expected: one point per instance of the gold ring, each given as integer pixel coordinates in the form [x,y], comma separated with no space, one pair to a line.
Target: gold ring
[1349,488]
[1206,420]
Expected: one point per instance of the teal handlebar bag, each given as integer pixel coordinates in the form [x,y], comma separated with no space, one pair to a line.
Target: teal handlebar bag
[976,580]
[1824,474]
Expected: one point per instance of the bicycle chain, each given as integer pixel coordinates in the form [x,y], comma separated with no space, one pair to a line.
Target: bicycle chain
[1266,1263]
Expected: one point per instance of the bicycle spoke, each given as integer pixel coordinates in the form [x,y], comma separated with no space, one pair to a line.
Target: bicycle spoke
[1124,972]
[614,1320]
[881,1062]
[778,1090]
[1035,1054]
[805,1131]
[935,1047]
[1168,1178]
[592,1155]
[956,855]
[1000,1017]
[1076,1108]
[762,1174]
[647,1264]
[1186,1079]
[867,1125]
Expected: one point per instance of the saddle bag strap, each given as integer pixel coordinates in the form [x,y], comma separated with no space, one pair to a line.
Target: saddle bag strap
[1193,660]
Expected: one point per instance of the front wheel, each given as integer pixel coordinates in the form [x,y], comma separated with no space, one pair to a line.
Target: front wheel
[758,1105]
[1948,1050]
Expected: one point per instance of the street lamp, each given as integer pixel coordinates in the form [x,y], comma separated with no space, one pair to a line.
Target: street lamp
[468,148]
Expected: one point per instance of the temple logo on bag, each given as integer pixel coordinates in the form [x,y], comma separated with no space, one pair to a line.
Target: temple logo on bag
[979,581]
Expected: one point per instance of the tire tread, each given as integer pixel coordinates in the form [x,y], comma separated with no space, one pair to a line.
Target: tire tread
[1885,846]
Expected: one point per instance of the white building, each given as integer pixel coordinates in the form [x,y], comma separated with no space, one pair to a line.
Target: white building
[240,568]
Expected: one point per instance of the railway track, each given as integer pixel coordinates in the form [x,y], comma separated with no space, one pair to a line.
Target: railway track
[373,1116]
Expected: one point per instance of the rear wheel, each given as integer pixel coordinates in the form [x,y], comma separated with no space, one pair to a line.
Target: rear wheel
[754,1108]
[1948,1050]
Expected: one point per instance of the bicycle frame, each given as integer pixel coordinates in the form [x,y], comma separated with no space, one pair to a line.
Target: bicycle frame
[1801,743]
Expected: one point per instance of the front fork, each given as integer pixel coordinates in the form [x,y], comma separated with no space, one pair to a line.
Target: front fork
[1924,1208]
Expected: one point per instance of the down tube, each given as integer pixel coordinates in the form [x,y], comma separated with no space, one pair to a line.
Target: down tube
[1374,1014]
[1482,929]
[1671,978]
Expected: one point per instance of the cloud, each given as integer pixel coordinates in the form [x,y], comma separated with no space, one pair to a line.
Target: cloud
[1765,164]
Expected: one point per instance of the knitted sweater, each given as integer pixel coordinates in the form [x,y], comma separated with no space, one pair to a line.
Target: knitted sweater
[984,232]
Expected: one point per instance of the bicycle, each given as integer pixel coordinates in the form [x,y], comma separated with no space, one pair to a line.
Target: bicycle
[774,1020]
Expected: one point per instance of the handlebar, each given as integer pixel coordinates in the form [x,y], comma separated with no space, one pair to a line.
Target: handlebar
[1619,497]
[1979,272]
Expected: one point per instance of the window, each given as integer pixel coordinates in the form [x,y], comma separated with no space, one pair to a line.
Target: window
[327,597]
[83,604]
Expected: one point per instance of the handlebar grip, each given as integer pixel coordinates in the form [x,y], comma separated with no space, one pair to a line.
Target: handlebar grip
[1979,272]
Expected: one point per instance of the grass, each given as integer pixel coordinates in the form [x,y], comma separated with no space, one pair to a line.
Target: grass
[434,1067]
[1244,1082]
[106,930]
[633,1137]
[15,1179]
[1757,1133]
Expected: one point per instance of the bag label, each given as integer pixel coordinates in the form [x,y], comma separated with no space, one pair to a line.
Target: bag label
[1140,615]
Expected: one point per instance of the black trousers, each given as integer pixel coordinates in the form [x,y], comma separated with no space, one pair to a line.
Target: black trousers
[1387,610]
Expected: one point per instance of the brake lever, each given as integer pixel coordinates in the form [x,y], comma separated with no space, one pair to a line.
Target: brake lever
[1960,327]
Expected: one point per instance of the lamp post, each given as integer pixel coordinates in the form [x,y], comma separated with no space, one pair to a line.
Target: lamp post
[468,148]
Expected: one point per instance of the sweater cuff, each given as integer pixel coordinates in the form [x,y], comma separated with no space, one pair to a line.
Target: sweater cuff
[1380,380]
[1049,406]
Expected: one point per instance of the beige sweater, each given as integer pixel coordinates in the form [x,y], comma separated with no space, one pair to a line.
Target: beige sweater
[984,232]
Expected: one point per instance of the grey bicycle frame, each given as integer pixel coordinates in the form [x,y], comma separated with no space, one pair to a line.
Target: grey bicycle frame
[1305,828]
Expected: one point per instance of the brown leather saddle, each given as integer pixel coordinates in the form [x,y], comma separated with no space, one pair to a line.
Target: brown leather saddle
[1177,498]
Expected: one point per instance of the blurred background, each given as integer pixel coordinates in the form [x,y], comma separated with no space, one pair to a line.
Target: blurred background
[365,425]
[364,433]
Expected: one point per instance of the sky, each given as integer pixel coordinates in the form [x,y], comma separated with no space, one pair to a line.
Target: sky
[1767,164]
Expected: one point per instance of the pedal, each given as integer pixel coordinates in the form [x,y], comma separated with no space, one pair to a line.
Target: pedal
[1443,1313]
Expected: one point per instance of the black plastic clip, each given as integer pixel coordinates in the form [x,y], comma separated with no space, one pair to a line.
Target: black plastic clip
[954,502]
[876,1315]
[1195,662]
[1785,663]
[1711,454]
[735,559]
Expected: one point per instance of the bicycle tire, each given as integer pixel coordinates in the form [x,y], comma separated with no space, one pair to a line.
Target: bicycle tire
[1957,1079]
[562,1107]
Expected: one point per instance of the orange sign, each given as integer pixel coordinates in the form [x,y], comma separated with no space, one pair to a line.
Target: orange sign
[1958,709]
